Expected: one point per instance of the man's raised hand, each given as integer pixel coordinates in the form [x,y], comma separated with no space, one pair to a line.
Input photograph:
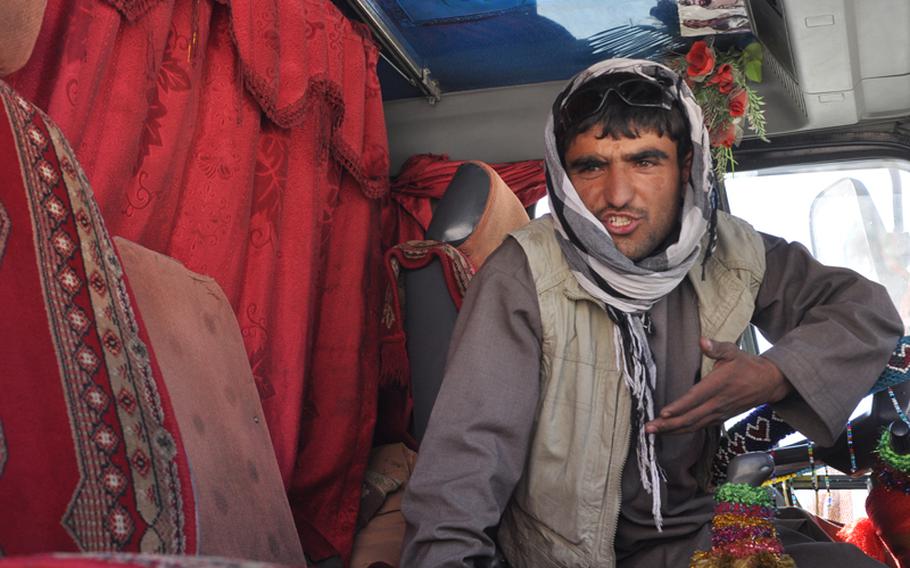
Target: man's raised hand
[739,381]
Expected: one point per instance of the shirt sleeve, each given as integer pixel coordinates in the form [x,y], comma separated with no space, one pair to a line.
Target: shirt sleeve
[473,452]
[832,332]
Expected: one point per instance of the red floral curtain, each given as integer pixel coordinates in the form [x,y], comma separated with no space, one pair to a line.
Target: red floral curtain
[246,139]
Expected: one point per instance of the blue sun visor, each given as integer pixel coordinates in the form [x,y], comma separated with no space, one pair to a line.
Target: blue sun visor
[439,11]
[479,44]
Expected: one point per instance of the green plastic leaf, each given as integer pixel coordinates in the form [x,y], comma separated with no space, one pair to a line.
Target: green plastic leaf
[752,70]
[752,51]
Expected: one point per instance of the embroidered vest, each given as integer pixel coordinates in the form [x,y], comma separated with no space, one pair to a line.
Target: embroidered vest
[565,508]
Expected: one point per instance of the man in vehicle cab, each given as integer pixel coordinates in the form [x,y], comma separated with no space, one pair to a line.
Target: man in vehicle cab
[594,357]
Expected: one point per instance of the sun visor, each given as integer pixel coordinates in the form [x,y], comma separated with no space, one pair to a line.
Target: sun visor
[443,11]
[833,62]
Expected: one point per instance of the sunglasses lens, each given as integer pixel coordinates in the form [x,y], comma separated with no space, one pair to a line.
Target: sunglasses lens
[582,104]
[641,93]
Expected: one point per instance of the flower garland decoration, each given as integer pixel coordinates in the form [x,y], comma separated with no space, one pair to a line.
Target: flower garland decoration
[720,82]
[742,532]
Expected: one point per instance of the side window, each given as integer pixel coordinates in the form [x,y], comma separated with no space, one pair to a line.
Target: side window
[846,214]
[542,207]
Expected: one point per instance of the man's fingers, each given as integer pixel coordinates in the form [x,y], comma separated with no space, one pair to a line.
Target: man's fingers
[711,412]
[720,350]
[689,422]
[694,397]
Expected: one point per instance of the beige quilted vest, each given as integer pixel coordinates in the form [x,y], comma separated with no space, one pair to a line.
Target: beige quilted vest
[565,508]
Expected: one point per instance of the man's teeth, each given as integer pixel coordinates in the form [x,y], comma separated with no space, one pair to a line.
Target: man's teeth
[619,221]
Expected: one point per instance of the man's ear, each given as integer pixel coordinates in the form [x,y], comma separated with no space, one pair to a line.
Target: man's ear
[685,169]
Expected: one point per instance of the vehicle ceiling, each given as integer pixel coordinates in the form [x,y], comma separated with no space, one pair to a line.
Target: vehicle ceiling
[479,44]
[499,64]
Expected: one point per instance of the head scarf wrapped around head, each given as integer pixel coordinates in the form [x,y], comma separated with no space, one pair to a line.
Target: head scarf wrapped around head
[629,288]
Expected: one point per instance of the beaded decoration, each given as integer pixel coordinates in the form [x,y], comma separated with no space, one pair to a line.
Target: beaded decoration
[850,447]
[758,432]
[897,406]
[898,368]
[812,469]
[742,532]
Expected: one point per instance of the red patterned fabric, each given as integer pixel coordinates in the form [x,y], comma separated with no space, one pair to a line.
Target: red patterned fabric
[125,560]
[90,455]
[254,154]
[395,402]
[425,177]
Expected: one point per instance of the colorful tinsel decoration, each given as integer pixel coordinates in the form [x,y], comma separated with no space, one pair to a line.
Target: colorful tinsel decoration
[743,533]
[893,469]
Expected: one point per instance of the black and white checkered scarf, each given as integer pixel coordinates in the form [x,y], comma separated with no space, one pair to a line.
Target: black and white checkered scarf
[629,289]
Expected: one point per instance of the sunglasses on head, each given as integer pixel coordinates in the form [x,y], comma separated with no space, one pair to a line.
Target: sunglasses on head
[637,92]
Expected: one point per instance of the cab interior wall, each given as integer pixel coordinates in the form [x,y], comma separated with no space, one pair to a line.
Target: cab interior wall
[492,125]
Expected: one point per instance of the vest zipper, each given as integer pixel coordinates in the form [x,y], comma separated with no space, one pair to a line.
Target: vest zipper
[622,467]
[611,551]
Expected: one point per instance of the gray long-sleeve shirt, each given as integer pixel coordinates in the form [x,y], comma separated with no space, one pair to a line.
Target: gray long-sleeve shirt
[832,332]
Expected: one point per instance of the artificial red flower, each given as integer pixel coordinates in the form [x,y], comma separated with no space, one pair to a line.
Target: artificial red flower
[700,60]
[723,78]
[738,103]
[725,135]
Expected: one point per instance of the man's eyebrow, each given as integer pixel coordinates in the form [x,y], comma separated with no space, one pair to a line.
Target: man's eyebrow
[588,160]
[650,153]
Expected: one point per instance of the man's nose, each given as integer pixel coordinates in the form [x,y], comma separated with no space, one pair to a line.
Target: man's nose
[618,190]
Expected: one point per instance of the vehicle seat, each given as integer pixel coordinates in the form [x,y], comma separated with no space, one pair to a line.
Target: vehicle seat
[242,508]
[476,213]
